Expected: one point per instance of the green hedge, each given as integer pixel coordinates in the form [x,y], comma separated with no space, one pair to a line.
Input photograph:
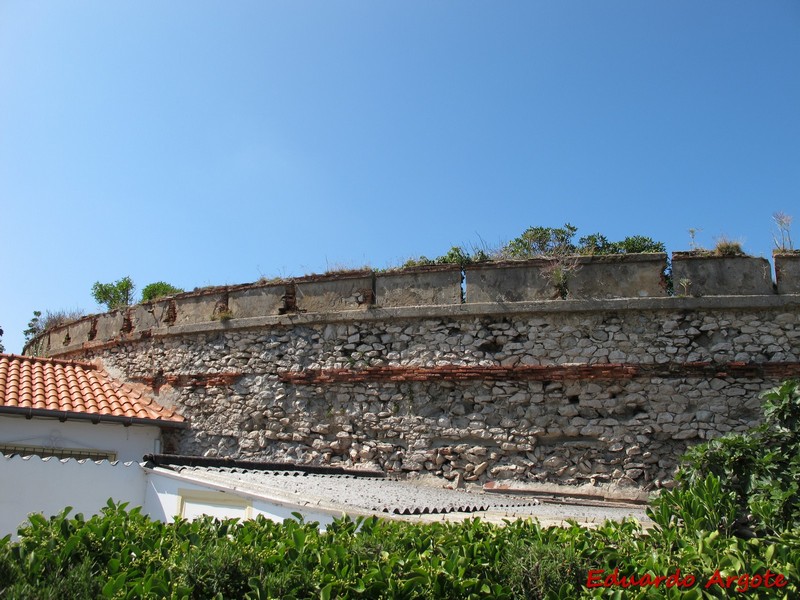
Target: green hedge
[123,554]
[731,526]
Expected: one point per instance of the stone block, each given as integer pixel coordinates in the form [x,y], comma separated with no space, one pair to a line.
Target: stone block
[150,315]
[419,287]
[197,309]
[511,281]
[787,272]
[334,293]
[257,302]
[109,325]
[78,331]
[710,275]
[617,276]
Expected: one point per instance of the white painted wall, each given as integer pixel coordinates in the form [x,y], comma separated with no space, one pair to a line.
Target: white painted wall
[36,485]
[130,443]
[165,492]
[47,486]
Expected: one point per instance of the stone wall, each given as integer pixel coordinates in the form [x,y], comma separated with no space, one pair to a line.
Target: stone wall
[478,387]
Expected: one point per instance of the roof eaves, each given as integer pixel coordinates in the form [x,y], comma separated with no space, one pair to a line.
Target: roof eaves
[180,460]
[63,415]
[54,361]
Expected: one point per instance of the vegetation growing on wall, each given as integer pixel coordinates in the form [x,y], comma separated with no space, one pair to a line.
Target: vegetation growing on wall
[159,289]
[783,237]
[559,241]
[543,242]
[727,247]
[114,295]
[40,323]
[457,255]
[51,318]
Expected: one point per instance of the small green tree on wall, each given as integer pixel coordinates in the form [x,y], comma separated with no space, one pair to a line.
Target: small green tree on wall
[159,289]
[114,295]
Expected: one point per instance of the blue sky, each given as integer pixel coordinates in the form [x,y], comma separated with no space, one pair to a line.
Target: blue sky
[206,143]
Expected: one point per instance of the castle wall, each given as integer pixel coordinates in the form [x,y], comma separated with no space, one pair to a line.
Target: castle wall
[597,390]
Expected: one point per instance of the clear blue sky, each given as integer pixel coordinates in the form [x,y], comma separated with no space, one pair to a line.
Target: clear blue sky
[206,143]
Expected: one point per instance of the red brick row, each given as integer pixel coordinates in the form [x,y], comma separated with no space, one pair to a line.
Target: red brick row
[568,372]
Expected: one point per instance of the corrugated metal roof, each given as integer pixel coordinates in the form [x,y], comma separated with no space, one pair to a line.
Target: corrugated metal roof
[345,491]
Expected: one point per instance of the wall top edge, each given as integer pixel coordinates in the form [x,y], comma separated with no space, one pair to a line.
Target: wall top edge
[654,257]
[456,311]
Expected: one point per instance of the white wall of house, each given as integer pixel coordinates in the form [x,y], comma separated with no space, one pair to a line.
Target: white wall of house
[171,494]
[129,443]
[47,486]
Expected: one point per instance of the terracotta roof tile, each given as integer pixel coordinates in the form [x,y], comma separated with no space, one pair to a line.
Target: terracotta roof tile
[73,387]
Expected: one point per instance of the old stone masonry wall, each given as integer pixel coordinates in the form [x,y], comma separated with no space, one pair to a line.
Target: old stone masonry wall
[610,391]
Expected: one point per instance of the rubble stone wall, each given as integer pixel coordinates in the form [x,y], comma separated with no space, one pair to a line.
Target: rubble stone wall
[571,397]
[600,390]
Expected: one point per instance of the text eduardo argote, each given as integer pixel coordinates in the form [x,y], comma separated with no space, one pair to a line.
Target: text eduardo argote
[738,583]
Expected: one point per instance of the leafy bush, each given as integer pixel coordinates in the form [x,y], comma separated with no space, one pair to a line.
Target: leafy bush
[558,242]
[457,255]
[542,241]
[760,468]
[114,295]
[159,289]
[122,554]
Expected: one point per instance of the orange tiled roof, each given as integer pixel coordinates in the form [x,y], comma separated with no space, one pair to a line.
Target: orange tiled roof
[73,387]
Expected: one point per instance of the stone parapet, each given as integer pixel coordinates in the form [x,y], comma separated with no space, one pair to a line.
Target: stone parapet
[515,281]
[504,285]
[701,274]
[421,286]
[787,272]
[617,276]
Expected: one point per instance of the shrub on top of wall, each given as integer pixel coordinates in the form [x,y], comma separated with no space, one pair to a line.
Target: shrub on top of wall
[159,289]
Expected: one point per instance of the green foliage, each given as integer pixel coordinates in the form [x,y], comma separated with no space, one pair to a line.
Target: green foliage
[536,564]
[122,554]
[558,242]
[761,469]
[638,244]
[114,295]
[34,326]
[542,241]
[457,255]
[159,289]
[39,324]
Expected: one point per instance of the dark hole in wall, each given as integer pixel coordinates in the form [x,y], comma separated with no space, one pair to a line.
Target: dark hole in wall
[172,313]
[127,322]
[93,330]
[489,346]
[289,300]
